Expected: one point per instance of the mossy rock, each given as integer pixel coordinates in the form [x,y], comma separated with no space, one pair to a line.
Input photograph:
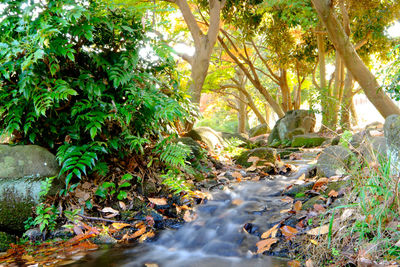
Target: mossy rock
[307,140]
[211,138]
[336,186]
[309,204]
[266,154]
[15,208]
[299,189]
[334,160]
[297,131]
[5,241]
[259,130]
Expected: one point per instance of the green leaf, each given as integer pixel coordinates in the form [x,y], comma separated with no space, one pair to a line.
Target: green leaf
[127,176]
[125,184]
[122,195]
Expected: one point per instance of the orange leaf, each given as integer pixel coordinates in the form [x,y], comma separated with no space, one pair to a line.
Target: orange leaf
[237,175]
[287,199]
[271,232]
[146,235]
[320,182]
[158,201]
[237,201]
[321,230]
[319,207]
[294,263]
[288,231]
[119,226]
[138,233]
[333,193]
[265,245]
[297,206]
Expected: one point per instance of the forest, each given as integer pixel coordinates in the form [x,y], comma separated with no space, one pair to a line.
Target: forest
[199,133]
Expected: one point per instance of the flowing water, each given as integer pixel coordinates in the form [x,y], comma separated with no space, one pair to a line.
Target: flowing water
[224,233]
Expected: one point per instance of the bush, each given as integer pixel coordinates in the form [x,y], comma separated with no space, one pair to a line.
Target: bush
[85,79]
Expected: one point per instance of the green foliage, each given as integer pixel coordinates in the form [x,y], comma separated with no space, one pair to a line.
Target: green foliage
[45,218]
[391,74]
[85,80]
[345,139]
[175,183]
[109,189]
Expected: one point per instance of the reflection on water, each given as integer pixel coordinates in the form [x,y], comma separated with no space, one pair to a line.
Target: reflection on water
[216,237]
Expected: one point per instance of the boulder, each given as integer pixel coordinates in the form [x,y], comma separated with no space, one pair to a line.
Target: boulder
[392,133]
[307,140]
[22,171]
[373,149]
[266,154]
[259,130]
[334,160]
[214,139]
[294,122]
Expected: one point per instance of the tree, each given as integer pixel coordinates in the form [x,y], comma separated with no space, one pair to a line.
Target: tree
[203,43]
[352,60]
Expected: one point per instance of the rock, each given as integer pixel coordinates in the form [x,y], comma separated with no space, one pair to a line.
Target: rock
[309,204]
[307,140]
[229,136]
[34,234]
[334,160]
[392,133]
[259,130]
[286,152]
[194,146]
[211,138]
[294,122]
[104,239]
[22,171]
[5,241]
[149,188]
[373,149]
[359,138]
[266,154]
[335,141]
[299,189]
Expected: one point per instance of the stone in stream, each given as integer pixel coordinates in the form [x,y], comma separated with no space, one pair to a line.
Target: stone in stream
[259,130]
[22,171]
[334,160]
[265,154]
[294,122]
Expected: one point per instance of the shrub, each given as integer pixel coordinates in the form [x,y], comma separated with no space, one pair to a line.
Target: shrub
[85,79]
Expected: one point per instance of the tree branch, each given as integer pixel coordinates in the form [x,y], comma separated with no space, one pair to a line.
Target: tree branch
[190,21]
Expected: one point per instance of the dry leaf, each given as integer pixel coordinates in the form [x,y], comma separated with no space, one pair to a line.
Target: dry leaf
[253,159]
[271,232]
[346,214]
[287,199]
[265,245]
[302,177]
[297,206]
[149,234]
[151,265]
[309,263]
[321,230]
[294,263]
[315,242]
[138,233]
[158,201]
[110,210]
[188,217]
[285,211]
[288,231]
[256,178]
[333,193]
[122,205]
[119,226]
[319,207]
[237,175]
[251,168]
[397,244]
[320,182]
[237,201]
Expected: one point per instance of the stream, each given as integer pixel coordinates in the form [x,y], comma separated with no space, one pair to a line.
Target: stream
[225,232]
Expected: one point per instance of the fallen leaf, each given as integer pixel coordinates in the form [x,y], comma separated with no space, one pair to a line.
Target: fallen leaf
[188,217]
[110,210]
[151,265]
[149,234]
[251,168]
[315,242]
[158,201]
[320,182]
[237,175]
[333,193]
[122,205]
[285,211]
[297,206]
[253,159]
[271,232]
[287,199]
[302,177]
[321,230]
[265,245]
[237,201]
[256,178]
[319,208]
[346,214]
[138,233]
[294,263]
[288,231]
[119,226]
[309,263]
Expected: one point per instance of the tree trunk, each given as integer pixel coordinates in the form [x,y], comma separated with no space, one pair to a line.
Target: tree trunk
[242,113]
[285,90]
[347,101]
[353,112]
[335,97]
[353,62]
[201,62]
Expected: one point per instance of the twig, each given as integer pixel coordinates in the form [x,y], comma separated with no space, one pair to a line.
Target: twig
[100,219]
